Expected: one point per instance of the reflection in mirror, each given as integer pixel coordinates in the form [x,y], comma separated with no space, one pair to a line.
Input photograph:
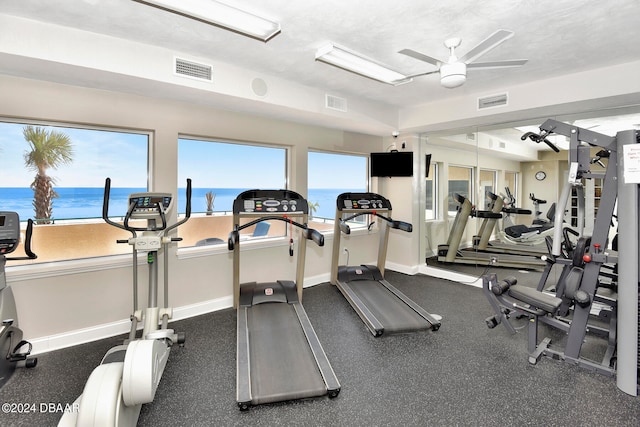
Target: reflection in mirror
[527,178]
[431,185]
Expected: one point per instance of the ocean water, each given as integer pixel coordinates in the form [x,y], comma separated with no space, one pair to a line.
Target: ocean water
[86,202]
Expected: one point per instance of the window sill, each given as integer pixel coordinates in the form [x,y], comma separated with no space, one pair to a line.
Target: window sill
[44,270]
[64,268]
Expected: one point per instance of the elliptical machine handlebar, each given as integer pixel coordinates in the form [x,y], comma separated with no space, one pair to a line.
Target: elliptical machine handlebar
[105,207]
[131,208]
[187,213]
[27,245]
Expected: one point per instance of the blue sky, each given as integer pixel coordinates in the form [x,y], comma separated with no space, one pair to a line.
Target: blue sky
[224,165]
[123,157]
[328,170]
[97,155]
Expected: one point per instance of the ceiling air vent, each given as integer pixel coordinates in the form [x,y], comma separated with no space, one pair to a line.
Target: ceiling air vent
[336,103]
[492,101]
[193,70]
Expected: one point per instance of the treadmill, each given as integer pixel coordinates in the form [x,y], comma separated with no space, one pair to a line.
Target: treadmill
[279,356]
[451,252]
[382,307]
[482,242]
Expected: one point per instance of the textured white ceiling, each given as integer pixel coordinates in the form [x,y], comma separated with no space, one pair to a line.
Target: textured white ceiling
[558,37]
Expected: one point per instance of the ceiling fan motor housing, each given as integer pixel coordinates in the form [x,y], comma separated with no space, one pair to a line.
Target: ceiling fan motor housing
[453,74]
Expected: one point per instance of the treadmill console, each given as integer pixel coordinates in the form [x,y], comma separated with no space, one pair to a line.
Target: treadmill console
[270,202]
[363,201]
[148,205]
[9,232]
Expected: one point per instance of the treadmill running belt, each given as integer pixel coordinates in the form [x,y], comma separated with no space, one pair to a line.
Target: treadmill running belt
[392,312]
[281,362]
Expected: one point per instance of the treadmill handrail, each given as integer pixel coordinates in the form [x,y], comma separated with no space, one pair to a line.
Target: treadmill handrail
[400,225]
[308,233]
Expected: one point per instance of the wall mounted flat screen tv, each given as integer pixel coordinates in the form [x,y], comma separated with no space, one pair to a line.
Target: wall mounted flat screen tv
[392,163]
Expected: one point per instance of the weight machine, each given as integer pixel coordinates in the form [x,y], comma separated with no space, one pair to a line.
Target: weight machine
[577,288]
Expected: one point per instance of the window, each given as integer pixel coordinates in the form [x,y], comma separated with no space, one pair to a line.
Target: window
[431,203]
[511,182]
[461,182]
[330,174]
[219,171]
[55,175]
[487,184]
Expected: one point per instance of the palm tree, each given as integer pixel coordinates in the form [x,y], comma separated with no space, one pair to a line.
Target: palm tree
[313,206]
[49,149]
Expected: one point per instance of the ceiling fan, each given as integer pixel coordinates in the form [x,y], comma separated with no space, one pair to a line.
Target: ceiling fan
[453,72]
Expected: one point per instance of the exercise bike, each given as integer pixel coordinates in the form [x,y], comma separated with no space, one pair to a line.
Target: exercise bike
[129,374]
[520,234]
[15,351]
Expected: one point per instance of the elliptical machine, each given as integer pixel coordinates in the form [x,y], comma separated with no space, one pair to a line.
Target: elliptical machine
[12,346]
[129,374]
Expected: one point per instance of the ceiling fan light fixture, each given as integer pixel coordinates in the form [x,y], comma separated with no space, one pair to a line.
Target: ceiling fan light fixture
[453,75]
[221,15]
[354,62]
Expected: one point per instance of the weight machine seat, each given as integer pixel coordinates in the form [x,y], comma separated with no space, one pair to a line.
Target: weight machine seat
[548,303]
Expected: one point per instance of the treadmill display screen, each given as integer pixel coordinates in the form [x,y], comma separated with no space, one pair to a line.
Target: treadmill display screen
[363,204]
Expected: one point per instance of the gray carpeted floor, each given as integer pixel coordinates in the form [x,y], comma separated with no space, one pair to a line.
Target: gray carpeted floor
[463,374]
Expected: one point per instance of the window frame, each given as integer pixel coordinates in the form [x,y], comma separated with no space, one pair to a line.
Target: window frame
[435,193]
[51,263]
[228,213]
[494,185]
[367,177]
[471,181]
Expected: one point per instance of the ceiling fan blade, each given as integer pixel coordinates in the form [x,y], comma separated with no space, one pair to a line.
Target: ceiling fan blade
[421,57]
[486,45]
[423,74]
[497,64]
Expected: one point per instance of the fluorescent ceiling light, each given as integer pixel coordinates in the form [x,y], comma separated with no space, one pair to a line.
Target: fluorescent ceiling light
[359,64]
[221,15]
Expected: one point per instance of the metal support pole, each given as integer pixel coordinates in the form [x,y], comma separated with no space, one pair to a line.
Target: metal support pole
[628,259]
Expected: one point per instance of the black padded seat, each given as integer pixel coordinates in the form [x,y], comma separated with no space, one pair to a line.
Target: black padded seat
[537,299]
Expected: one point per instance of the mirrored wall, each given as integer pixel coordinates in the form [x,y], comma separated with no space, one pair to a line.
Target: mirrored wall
[490,196]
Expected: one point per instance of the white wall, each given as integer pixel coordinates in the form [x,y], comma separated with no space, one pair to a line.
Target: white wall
[56,299]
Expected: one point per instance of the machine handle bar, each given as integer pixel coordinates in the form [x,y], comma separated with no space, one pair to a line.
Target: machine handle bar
[105,207]
[163,217]
[315,235]
[400,225]
[105,212]
[187,213]
[308,233]
[27,244]
[540,138]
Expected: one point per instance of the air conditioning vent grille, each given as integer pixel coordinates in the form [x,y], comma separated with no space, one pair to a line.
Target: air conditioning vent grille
[194,70]
[336,103]
[492,101]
